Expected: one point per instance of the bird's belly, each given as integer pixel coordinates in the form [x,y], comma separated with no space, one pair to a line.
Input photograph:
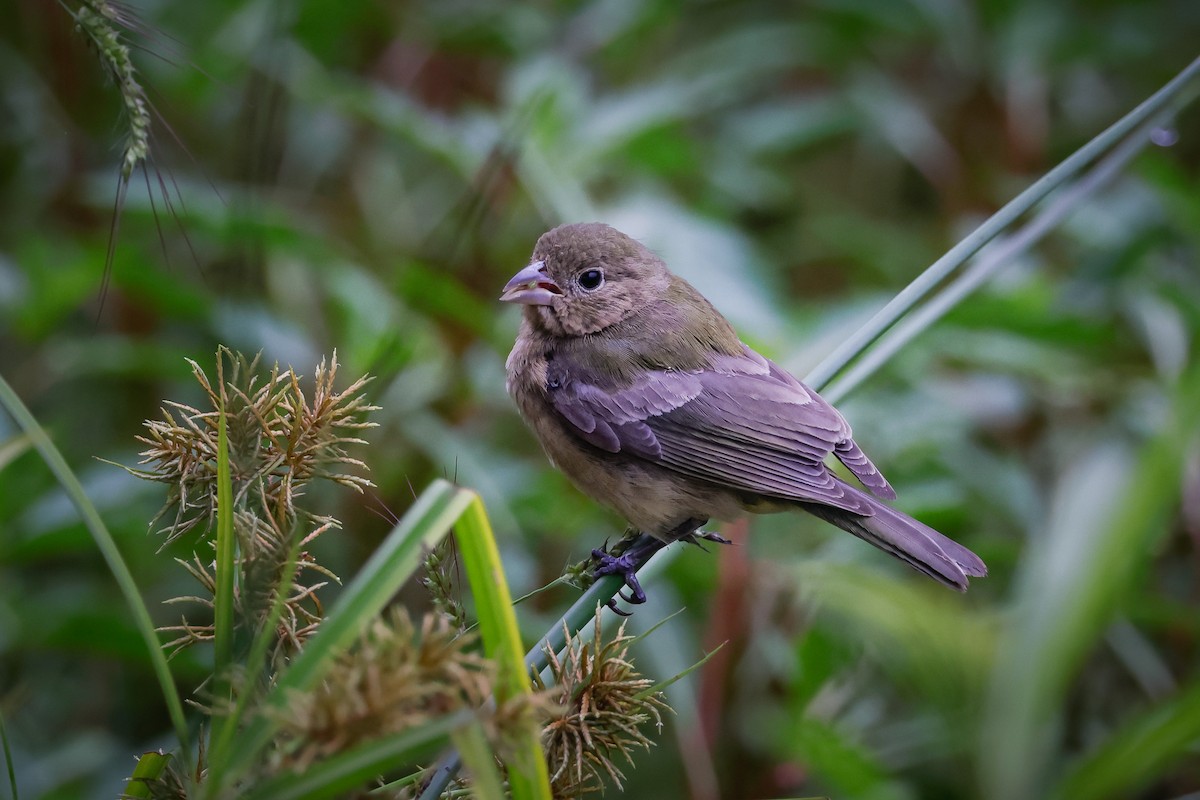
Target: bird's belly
[652,498]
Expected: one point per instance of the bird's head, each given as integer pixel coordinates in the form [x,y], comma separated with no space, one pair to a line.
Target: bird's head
[585,277]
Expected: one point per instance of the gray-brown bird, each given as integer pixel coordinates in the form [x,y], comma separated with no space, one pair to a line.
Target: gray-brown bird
[645,397]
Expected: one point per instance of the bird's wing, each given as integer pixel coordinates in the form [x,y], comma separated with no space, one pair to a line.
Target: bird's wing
[742,423]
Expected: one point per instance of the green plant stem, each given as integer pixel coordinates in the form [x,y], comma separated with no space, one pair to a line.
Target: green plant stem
[223,737]
[223,592]
[108,550]
[912,294]
[990,262]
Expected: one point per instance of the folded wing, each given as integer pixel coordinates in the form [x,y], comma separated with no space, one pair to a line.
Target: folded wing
[742,423]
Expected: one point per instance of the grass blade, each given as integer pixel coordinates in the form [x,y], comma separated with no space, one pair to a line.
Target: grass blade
[1136,754]
[528,775]
[912,294]
[9,766]
[256,660]
[108,549]
[662,685]
[350,770]
[150,768]
[477,754]
[393,563]
[990,263]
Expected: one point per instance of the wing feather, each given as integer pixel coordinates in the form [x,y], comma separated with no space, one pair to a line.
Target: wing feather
[742,423]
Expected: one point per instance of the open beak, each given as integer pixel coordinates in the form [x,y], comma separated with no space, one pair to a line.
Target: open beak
[531,287]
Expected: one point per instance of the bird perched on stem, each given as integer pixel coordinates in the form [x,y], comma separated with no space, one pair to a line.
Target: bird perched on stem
[645,397]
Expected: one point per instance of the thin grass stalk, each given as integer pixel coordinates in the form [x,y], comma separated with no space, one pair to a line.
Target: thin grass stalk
[256,661]
[10,768]
[989,263]
[472,742]
[108,549]
[912,294]
[223,595]
[1136,752]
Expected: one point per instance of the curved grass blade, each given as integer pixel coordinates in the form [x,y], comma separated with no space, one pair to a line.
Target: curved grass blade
[393,563]
[527,773]
[108,549]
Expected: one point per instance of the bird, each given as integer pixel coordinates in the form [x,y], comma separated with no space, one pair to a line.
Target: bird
[645,397]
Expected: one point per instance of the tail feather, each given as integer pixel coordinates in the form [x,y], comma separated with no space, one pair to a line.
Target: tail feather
[913,542]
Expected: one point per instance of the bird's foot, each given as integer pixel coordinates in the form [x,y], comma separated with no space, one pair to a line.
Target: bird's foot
[634,550]
[626,566]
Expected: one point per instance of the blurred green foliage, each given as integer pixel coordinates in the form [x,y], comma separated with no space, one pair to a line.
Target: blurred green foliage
[365,176]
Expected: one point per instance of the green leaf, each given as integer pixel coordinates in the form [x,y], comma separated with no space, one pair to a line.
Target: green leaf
[150,768]
[840,761]
[528,775]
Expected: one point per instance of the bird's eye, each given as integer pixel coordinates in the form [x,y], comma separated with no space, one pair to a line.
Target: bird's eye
[591,279]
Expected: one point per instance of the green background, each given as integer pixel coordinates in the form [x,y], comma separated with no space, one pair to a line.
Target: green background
[366,176]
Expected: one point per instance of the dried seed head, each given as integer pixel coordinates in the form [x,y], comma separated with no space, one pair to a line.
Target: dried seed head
[603,702]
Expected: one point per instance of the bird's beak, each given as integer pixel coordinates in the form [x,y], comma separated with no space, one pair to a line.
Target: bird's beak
[531,287]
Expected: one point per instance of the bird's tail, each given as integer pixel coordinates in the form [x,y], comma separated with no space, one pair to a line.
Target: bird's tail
[913,542]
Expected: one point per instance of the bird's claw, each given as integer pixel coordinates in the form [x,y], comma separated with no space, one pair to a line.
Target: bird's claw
[612,604]
[697,535]
[626,567]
